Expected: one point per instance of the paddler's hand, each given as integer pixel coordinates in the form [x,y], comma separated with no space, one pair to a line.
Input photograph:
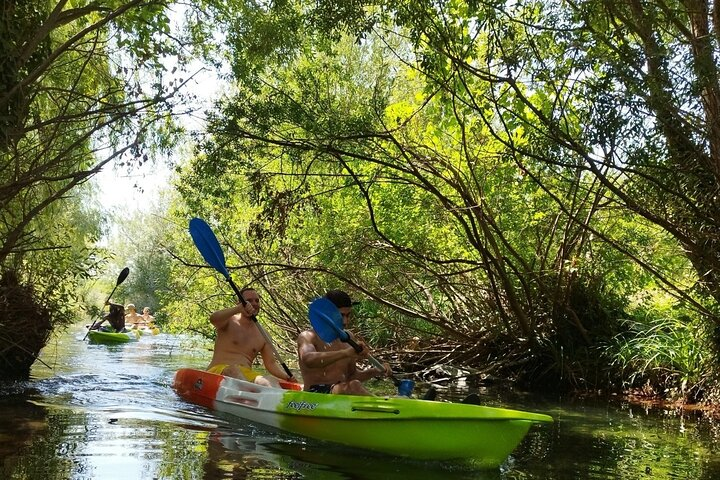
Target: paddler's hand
[351,353]
[247,309]
[364,353]
[386,372]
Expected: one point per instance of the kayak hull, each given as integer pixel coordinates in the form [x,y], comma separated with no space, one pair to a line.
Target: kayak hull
[112,337]
[405,427]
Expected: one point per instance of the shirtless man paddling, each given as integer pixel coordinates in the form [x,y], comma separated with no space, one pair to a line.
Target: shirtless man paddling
[332,367]
[133,318]
[239,341]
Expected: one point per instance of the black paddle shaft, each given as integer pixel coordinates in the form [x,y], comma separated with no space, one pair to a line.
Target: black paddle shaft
[239,295]
[373,360]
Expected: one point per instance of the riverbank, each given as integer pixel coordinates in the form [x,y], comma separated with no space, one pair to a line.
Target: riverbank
[711,410]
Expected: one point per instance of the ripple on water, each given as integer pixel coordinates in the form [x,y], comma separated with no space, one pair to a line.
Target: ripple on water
[106,412]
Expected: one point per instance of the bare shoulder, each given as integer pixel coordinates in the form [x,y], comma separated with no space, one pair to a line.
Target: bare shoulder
[307,337]
[229,323]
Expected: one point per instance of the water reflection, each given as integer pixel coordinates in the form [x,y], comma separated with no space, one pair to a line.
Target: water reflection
[107,412]
[20,423]
[291,458]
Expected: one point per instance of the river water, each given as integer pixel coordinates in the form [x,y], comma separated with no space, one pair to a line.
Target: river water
[109,412]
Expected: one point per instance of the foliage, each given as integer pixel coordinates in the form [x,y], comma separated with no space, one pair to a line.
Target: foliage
[663,352]
[30,328]
[42,293]
[76,99]
[84,84]
[138,242]
[478,177]
[511,180]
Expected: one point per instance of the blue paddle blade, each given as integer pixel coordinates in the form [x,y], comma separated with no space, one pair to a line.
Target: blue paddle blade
[326,320]
[208,245]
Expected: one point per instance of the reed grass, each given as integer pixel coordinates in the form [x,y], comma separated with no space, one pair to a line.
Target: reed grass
[662,356]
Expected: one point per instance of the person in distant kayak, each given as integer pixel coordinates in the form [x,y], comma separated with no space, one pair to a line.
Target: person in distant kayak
[239,341]
[132,318]
[332,367]
[116,318]
[147,318]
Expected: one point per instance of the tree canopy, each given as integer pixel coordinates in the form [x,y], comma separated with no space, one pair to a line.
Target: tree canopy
[83,84]
[526,187]
[504,175]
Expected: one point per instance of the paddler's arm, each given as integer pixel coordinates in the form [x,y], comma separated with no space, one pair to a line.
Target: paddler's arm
[310,357]
[368,373]
[271,364]
[97,325]
[221,318]
[364,374]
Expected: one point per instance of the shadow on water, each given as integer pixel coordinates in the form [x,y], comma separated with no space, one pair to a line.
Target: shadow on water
[109,412]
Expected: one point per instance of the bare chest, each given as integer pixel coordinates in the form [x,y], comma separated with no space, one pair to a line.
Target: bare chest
[243,336]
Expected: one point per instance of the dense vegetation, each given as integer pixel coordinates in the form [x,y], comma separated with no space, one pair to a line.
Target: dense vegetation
[81,88]
[530,189]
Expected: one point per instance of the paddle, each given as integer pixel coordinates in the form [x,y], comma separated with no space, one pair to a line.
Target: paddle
[121,278]
[326,319]
[209,247]
[327,322]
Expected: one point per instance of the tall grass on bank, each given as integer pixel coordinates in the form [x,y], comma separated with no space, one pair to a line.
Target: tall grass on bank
[664,357]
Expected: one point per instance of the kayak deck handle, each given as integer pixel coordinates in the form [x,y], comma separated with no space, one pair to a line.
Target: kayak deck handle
[242,398]
[374,407]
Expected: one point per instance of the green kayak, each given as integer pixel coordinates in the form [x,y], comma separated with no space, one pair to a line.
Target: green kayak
[99,336]
[420,429]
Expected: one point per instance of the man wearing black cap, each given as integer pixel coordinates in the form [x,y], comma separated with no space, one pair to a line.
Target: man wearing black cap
[332,367]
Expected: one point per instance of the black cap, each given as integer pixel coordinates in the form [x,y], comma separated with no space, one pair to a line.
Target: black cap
[340,299]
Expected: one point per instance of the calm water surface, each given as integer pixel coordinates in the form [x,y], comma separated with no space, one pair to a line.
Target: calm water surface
[106,412]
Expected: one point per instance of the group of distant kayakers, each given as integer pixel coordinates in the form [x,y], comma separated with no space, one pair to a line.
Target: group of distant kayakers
[326,367]
[137,320]
[122,318]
